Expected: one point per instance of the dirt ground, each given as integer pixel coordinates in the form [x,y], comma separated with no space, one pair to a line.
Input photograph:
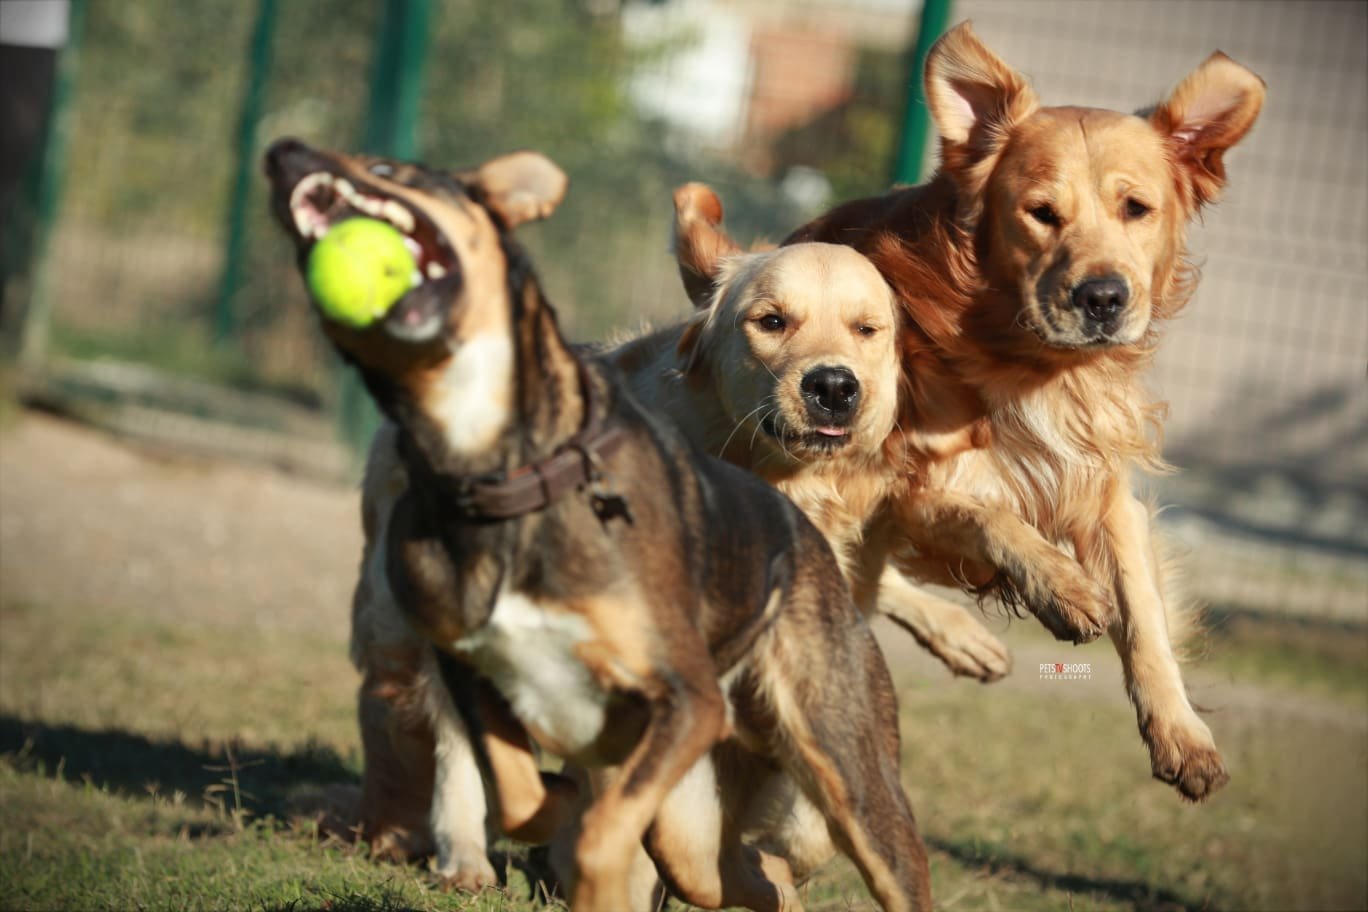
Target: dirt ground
[89,521]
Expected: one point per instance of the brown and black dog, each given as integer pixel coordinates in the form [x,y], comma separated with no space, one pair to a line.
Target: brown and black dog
[1036,270]
[626,601]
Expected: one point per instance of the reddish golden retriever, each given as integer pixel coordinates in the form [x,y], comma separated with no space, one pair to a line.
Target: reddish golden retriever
[1037,269]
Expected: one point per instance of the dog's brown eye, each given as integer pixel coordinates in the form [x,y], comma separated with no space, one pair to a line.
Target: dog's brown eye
[865,329]
[772,323]
[1045,214]
[1136,209]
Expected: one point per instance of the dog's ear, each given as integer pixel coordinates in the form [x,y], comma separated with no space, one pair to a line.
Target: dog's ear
[519,187]
[700,244]
[975,98]
[1210,111]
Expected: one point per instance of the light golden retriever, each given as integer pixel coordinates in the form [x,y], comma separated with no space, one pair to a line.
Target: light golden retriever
[1036,271]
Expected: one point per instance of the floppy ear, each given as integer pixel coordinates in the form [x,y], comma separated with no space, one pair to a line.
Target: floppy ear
[975,98]
[519,187]
[700,244]
[1210,111]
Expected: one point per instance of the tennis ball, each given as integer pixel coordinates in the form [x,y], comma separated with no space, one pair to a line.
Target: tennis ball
[358,270]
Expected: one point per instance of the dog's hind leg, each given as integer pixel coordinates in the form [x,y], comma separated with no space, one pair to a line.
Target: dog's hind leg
[458,800]
[837,737]
[396,781]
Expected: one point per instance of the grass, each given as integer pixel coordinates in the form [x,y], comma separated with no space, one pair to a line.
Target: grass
[169,767]
[80,846]
[1325,661]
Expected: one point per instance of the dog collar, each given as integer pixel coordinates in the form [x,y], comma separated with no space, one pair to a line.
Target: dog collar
[575,464]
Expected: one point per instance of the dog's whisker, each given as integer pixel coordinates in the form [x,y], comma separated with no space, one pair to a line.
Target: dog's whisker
[760,424]
[770,371]
[739,424]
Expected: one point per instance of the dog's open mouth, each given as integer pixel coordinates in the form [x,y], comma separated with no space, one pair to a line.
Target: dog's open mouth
[821,440]
[313,196]
[321,200]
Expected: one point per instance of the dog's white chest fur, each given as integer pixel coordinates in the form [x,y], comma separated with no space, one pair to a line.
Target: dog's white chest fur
[471,403]
[528,653]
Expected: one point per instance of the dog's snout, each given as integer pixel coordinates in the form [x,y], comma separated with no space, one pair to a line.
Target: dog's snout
[831,393]
[279,153]
[1101,299]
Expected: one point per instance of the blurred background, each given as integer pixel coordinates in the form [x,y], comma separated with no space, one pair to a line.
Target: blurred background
[148,289]
[146,293]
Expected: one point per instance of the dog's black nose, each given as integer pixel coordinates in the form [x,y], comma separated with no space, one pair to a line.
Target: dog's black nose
[831,393]
[1101,300]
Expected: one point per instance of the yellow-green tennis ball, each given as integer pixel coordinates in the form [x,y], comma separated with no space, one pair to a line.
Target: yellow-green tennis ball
[358,270]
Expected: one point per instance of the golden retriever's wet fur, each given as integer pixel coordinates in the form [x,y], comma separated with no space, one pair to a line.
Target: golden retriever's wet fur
[1036,270]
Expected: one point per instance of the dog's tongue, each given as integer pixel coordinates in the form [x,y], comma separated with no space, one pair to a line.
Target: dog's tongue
[833,431]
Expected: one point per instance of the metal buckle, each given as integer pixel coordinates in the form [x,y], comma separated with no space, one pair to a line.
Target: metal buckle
[606,503]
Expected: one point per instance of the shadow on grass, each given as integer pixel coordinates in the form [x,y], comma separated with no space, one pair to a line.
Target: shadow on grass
[129,764]
[1138,894]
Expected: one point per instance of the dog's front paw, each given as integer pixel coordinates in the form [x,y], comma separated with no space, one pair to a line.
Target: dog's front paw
[1183,754]
[467,868]
[1072,605]
[967,648]
[398,844]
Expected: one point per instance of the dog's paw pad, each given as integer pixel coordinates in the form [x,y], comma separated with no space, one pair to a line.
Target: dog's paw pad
[466,881]
[1189,761]
[469,875]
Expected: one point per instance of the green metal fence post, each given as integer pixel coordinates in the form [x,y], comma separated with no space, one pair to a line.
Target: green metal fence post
[907,167]
[390,130]
[37,327]
[397,79]
[258,71]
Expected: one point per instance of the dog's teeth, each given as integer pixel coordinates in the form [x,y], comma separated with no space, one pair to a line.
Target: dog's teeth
[415,279]
[435,271]
[306,186]
[301,210]
[397,216]
[413,247]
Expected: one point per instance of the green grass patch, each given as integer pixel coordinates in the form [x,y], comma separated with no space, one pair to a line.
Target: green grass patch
[147,764]
[78,846]
[1322,660]
[1058,791]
